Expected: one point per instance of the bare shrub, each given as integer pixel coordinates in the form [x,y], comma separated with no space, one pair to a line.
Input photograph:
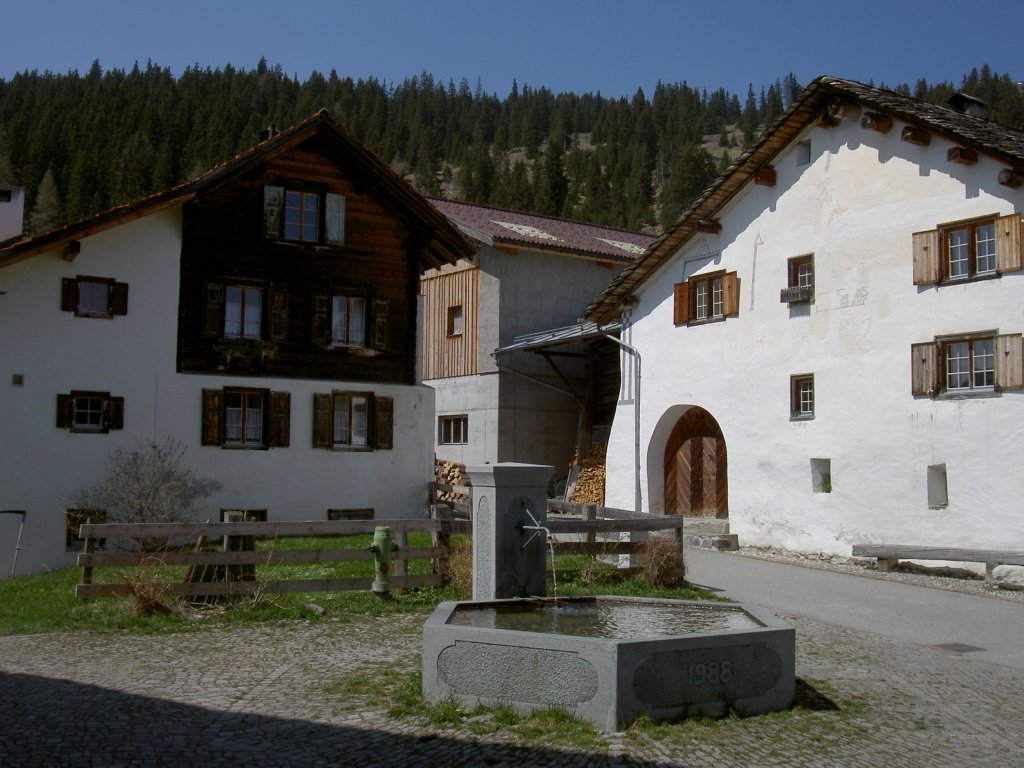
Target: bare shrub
[148,593]
[662,560]
[148,483]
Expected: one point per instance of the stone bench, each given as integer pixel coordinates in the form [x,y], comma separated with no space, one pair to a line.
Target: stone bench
[889,555]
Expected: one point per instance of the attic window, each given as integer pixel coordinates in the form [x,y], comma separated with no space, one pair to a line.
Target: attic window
[303,216]
[802,151]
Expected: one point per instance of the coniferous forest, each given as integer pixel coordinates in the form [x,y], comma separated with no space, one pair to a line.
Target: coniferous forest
[82,143]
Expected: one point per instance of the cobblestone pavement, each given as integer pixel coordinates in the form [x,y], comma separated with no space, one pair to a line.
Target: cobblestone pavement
[302,694]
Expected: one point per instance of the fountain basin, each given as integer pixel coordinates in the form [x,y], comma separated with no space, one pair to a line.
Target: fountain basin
[655,667]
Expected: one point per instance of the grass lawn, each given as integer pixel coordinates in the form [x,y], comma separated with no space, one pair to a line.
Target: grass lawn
[47,602]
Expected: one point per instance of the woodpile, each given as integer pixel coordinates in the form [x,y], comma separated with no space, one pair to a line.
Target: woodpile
[589,488]
[449,475]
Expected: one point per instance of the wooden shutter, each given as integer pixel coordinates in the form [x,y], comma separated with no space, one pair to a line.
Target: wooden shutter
[114,416]
[278,314]
[730,294]
[279,417]
[65,411]
[321,320]
[68,294]
[213,408]
[119,299]
[380,324]
[1008,244]
[924,368]
[1009,361]
[384,408]
[927,257]
[335,218]
[681,306]
[213,309]
[322,420]
[273,202]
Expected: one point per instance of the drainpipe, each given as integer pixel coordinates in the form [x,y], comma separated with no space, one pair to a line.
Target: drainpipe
[636,418]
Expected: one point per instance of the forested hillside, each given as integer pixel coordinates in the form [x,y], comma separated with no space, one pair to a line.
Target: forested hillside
[81,143]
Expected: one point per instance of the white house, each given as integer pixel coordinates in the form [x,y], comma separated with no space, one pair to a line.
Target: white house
[527,271]
[831,334]
[264,316]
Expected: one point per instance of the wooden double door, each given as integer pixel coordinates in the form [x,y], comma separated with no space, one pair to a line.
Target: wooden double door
[696,482]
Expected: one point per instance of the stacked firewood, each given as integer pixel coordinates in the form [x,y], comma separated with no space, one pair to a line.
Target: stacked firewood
[589,488]
[448,473]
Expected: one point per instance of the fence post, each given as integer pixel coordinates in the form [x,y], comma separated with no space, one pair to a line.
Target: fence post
[245,572]
[441,538]
[400,563]
[590,515]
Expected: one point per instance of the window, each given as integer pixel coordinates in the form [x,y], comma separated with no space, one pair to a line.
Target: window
[303,216]
[237,311]
[453,430]
[706,298]
[801,396]
[348,321]
[352,421]
[243,312]
[93,296]
[74,519]
[821,475]
[938,492]
[802,152]
[800,280]
[968,250]
[97,412]
[968,364]
[241,417]
[455,321]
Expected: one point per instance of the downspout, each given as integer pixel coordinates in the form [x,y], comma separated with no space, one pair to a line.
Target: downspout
[636,419]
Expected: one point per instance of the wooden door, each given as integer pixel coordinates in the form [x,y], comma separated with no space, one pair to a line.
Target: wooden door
[695,468]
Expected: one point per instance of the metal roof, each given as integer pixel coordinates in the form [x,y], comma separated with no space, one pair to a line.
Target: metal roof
[569,334]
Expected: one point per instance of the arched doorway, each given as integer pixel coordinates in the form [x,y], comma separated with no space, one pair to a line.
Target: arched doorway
[696,484]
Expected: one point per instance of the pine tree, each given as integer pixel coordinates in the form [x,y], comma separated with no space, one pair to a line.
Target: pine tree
[45,213]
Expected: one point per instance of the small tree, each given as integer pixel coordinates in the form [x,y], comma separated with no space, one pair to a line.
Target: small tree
[148,483]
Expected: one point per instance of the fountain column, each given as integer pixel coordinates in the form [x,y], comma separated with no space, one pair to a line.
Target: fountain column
[507,560]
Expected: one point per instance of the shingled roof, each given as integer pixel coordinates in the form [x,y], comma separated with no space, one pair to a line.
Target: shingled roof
[821,103]
[528,230]
[445,243]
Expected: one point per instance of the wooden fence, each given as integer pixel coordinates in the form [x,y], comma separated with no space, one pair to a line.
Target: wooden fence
[182,544]
[578,529]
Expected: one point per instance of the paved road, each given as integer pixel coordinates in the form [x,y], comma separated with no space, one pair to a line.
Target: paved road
[906,612]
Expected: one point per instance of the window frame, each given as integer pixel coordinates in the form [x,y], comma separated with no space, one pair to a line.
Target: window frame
[116,296]
[931,250]
[929,366]
[329,216]
[797,391]
[110,411]
[455,325]
[717,292]
[379,421]
[348,298]
[275,419]
[450,424]
[245,289]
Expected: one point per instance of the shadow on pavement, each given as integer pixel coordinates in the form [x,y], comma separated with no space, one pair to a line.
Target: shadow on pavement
[58,722]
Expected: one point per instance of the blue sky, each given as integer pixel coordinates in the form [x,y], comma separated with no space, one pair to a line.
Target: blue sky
[611,46]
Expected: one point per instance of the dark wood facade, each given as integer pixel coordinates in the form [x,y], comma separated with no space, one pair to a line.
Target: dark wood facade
[234,241]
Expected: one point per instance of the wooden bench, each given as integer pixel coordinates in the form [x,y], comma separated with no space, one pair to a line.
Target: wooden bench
[889,555]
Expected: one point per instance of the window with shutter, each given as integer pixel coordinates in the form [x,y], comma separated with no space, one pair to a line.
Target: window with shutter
[91,412]
[976,364]
[303,216]
[243,417]
[706,298]
[93,296]
[968,250]
[352,421]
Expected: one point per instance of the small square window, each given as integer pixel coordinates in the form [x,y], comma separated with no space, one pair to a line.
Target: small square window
[801,396]
[799,280]
[95,412]
[94,296]
[821,475]
[938,493]
[453,430]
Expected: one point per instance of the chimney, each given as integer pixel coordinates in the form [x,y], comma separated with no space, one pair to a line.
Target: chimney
[268,132]
[12,212]
[967,105]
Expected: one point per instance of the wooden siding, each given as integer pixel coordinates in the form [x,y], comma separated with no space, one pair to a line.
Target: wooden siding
[224,243]
[444,355]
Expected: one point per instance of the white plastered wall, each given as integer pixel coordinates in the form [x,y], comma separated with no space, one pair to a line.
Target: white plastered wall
[854,207]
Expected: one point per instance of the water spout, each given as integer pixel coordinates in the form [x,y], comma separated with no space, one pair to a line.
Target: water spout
[537,528]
